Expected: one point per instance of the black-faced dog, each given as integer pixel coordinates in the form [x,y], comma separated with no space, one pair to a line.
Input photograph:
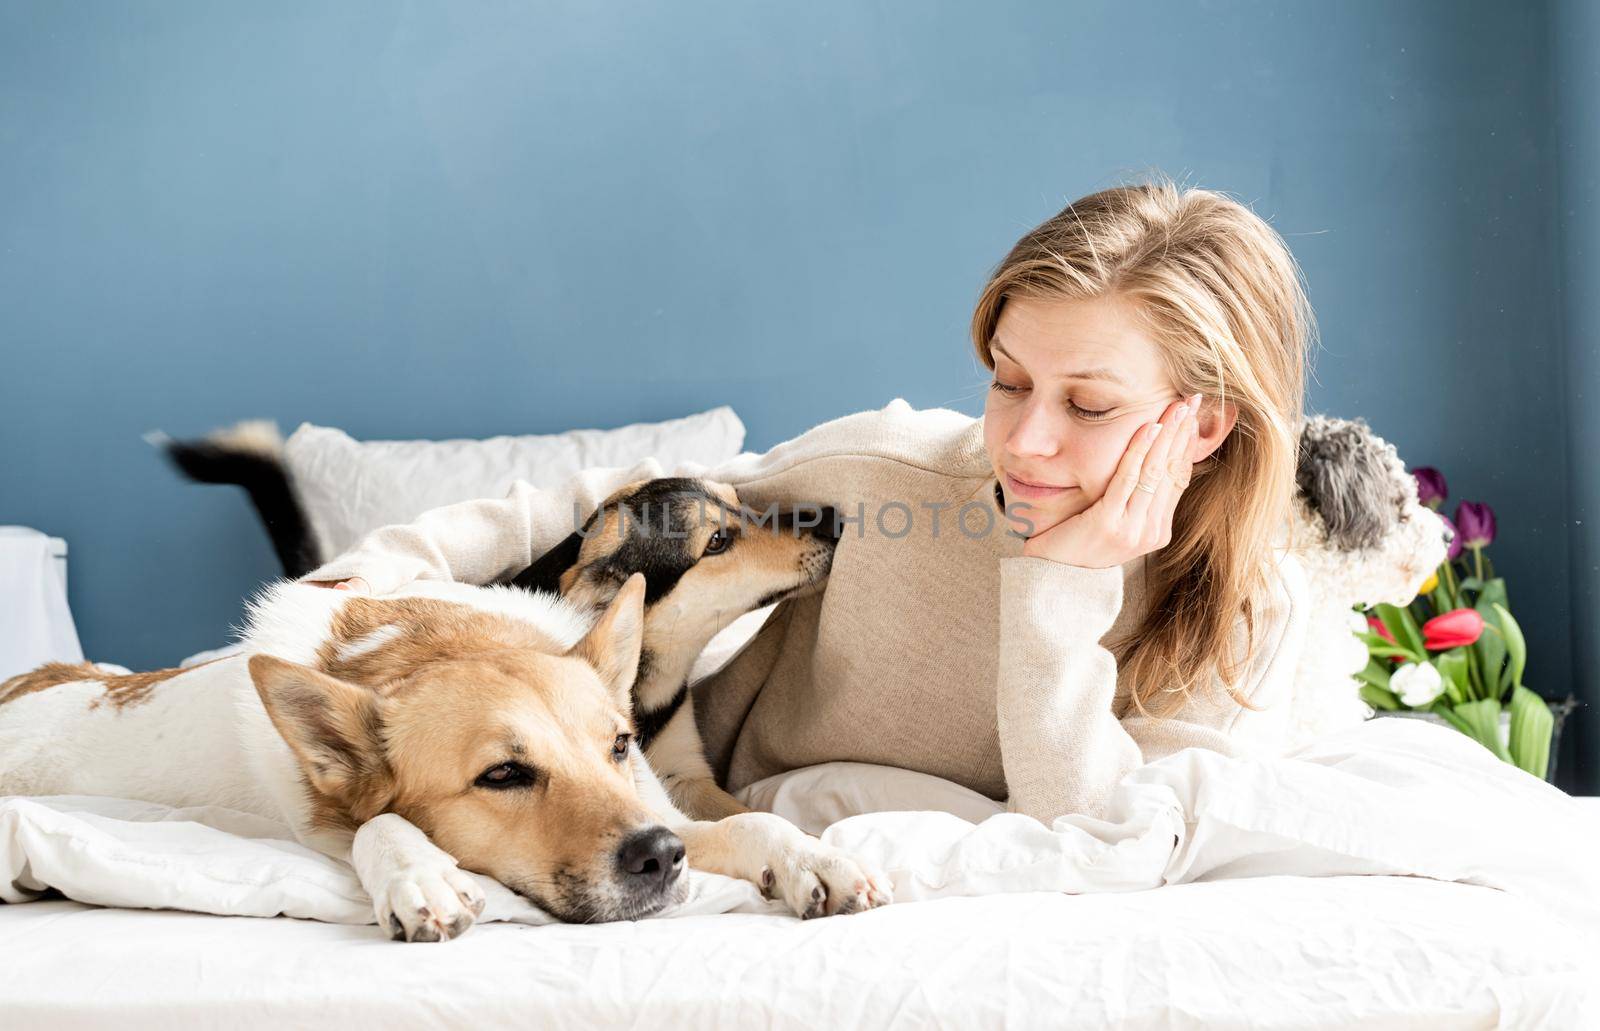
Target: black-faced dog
[706,560]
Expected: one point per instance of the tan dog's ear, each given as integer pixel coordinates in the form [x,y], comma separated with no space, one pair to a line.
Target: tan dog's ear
[612,645]
[333,727]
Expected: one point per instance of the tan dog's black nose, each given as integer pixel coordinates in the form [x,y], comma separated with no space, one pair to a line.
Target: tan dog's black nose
[650,859]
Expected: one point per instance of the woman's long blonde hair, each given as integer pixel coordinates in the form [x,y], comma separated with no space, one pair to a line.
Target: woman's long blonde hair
[1222,296]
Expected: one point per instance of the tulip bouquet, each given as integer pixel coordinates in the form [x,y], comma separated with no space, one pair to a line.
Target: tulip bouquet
[1455,651]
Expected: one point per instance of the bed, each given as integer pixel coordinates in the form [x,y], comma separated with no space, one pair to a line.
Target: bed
[1400,877]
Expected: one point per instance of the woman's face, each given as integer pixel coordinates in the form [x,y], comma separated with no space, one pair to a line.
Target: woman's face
[1074,380]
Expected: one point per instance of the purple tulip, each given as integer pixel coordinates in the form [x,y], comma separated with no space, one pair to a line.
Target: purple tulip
[1476,523]
[1455,539]
[1431,490]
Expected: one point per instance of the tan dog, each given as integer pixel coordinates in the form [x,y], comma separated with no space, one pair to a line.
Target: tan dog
[449,724]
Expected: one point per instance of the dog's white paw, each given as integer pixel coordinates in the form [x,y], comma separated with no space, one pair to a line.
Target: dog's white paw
[428,902]
[818,880]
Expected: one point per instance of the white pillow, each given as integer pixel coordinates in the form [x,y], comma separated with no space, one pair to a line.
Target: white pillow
[351,487]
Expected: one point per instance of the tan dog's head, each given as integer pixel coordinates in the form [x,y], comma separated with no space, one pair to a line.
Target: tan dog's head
[707,559]
[512,754]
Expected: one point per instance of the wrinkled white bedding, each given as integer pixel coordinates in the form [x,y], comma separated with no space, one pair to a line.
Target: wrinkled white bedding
[1273,921]
[1274,952]
[1387,797]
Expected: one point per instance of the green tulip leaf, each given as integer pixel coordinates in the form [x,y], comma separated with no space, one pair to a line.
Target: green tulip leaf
[1449,586]
[1383,649]
[1452,667]
[1482,718]
[1404,628]
[1490,649]
[1375,675]
[1380,698]
[1516,646]
[1413,637]
[1531,726]
[1443,710]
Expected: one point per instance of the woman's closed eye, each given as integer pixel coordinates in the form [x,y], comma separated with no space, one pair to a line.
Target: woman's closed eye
[1084,412]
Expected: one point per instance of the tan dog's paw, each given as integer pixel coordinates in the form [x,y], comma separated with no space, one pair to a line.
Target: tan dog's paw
[818,880]
[428,903]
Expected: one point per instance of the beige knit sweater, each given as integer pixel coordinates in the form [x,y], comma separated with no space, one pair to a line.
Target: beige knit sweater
[934,648]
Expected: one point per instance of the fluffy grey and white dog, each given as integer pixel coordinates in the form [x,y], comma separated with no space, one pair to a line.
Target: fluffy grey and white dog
[1362,538]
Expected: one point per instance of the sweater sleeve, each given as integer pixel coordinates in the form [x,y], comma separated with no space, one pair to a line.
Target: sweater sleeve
[483,540]
[845,462]
[1062,745]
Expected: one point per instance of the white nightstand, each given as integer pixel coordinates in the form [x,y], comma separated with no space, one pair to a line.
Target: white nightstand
[33,584]
[58,552]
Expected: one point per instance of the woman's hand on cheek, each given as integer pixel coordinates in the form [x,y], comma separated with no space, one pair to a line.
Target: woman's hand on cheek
[1134,516]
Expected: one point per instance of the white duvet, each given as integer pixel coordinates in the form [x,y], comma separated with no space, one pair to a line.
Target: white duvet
[1388,797]
[1511,942]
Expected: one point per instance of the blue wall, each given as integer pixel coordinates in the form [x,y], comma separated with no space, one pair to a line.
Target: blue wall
[444,219]
[1575,31]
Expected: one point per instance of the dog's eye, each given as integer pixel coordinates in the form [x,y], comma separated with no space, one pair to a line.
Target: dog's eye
[505,775]
[720,541]
[619,747]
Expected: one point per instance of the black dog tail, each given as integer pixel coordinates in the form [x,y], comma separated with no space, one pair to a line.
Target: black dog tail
[250,455]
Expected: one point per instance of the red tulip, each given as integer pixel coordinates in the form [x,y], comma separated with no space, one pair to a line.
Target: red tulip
[1452,629]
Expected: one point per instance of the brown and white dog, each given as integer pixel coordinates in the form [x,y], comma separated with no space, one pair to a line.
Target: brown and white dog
[441,728]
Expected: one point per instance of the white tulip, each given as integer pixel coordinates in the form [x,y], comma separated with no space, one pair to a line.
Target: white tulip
[1417,684]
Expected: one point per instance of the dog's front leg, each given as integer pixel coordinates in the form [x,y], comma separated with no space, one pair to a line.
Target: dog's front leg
[702,798]
[769,852]
[679,759]
[784,861]
[418,891]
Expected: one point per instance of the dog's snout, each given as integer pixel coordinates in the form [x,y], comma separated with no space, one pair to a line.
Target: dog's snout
[651,858]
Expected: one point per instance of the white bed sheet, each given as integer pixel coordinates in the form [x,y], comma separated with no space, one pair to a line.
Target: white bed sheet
[1506,936]
[1271,952]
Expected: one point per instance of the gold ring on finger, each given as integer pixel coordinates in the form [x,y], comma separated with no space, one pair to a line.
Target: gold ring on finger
[1147,488]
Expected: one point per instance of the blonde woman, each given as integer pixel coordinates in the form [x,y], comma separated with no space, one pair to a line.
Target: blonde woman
[1034,603]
